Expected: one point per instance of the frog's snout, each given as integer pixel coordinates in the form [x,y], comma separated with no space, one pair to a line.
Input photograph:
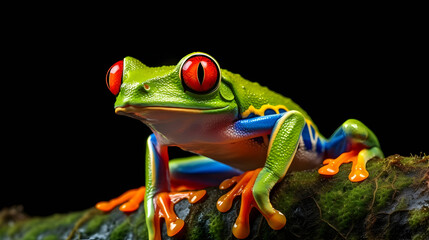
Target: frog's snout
[120,110]
[130,111]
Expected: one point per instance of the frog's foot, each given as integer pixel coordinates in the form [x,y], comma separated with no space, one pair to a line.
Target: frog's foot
[164,208]
[332,166]
[244,187]
[130,201]
[359,159]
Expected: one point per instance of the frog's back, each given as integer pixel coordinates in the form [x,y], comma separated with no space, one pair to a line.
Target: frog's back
[256,100]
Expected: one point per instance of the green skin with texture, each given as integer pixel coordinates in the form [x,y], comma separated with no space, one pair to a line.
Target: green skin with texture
[206,124]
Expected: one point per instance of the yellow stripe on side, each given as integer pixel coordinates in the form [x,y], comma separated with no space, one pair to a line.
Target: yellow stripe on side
[276,108]
[261,111]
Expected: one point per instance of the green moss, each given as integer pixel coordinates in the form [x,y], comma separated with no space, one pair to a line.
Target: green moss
[94,224]
[15,228]
[402,204]
[54,225]
[303,180]
[284,200]
[216,226]
[139,228]
[297,182]
[383,197]
[195,232]
[402,181]
[420,236]
[375,167]
[389,180]
[51,237]
[412,160]
[121,231]
[346,203]
[419,217]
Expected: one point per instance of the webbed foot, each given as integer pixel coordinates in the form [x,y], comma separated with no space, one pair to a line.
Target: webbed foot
[358,157]
[332,166]
[164,208]
[351,142]
[244,187]
[130,201]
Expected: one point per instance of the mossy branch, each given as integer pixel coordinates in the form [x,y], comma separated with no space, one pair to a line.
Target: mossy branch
[393,203]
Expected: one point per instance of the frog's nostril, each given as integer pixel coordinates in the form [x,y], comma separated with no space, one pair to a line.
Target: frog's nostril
[146,86]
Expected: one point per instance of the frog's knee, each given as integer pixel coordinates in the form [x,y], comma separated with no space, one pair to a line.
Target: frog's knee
[355,129]
[295,114]
[292,117]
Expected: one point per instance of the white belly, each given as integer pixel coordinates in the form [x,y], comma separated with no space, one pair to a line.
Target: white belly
[204,134]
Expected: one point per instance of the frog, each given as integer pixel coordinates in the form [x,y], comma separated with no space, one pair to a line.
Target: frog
[243,136]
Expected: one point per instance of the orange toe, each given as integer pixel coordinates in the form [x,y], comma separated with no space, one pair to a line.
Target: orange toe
[332,166]
[134,203]
[330,169]
[107,206]
[359,172]
[229,182]
[224,203]
[277,220]
[241,228]
[358,176]
[164,208]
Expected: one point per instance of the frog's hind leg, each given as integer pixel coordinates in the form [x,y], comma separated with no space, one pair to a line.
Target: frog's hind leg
[352,142]
[198,172]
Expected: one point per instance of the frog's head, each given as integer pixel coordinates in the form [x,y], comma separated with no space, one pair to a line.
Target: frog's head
[193,85]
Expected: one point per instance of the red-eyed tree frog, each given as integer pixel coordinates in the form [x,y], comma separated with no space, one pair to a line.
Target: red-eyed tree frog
[244,135]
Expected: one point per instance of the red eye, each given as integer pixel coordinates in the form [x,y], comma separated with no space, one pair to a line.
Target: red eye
[200,74]
[114,77]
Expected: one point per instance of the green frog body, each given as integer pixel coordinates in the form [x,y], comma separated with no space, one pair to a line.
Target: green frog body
[243,134]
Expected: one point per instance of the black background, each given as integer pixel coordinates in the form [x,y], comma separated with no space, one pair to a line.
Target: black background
[64,149]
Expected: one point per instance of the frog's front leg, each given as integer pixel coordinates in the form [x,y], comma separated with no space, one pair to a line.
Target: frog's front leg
[255,186]
[159,200]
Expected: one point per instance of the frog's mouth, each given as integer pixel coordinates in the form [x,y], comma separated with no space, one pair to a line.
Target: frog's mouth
[161,113]
[136,109]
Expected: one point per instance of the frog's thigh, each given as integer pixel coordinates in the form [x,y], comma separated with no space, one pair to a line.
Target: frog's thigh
[198,172]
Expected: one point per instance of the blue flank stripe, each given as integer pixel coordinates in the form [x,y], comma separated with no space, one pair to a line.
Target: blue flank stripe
[268,122]
[306,137]
[257,123]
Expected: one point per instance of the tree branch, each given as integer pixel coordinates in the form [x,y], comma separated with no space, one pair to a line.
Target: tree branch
[392,203]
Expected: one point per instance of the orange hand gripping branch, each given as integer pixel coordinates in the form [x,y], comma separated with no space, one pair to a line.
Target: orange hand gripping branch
[245,182]
[164,208]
